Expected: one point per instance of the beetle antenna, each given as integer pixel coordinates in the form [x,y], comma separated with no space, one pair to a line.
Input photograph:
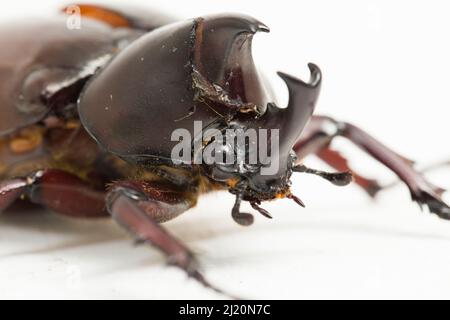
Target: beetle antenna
[264,212]
[242,218]
[336,178]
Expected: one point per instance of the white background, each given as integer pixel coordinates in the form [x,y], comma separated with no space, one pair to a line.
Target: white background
[386,68]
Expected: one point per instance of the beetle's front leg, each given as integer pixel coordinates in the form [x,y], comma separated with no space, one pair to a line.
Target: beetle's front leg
[140,206]
[324,129]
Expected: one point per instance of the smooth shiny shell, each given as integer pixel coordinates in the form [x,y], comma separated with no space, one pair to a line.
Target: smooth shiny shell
[199,69]
[39,54]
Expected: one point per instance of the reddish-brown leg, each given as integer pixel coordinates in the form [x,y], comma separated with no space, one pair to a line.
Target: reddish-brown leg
[323,129]
[67,194]
[57,190]
[10,191]
[139,206]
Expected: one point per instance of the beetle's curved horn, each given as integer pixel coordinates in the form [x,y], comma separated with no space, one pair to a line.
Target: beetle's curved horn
[290,121]
[298,89]
[302,100]
[223,65]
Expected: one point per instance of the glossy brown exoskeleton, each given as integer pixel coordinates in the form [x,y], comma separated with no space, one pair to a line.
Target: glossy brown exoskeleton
[87,117]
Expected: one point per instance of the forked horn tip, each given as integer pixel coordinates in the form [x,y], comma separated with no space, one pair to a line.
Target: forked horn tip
[315,78]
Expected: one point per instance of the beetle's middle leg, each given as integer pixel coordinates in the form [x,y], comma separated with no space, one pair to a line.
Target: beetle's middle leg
[321,131]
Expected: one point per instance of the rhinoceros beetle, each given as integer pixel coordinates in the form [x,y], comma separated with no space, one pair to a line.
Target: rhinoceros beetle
[87,120]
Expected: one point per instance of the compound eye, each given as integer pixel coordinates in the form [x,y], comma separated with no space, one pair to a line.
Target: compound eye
[221,154]
[225,155]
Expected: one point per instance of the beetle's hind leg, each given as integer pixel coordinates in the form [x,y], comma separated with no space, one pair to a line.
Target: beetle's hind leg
[140,206]
[322,130]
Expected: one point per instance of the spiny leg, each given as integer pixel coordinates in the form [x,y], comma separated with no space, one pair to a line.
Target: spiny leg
[137,206]
[422,191]
[140,206]
[432,167]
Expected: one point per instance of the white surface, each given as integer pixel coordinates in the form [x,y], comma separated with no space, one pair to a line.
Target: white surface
[386,69]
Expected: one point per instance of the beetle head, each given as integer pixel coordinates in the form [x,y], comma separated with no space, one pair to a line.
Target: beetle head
[270,139]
